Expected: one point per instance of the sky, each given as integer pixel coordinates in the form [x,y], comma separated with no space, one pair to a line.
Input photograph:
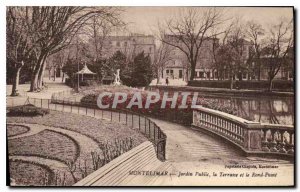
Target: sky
[144,19]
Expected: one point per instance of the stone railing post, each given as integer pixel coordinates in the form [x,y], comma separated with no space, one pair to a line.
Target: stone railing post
[252,136]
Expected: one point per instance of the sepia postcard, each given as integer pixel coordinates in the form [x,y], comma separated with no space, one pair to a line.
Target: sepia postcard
[150,96]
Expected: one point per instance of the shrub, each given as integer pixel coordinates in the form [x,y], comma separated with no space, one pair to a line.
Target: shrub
[183,116]
[206,83]
[277,84]
[253,85]
[27,110]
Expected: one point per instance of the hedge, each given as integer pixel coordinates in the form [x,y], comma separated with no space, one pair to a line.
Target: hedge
[206,83]
[254,85]
[27,110]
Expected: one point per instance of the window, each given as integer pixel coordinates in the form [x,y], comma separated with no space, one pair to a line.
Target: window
[167,71]
[125,43]
[118,44]
[171,71]
[150,48]
[244,75]
[180,73]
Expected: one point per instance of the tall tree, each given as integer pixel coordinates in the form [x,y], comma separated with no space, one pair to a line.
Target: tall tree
[255,33]
[52,29]
[239,49]
[142,70]
[137,73]
[279,45]
[216,52]
[190,30]
[162,55]
[98,31]
[19,47]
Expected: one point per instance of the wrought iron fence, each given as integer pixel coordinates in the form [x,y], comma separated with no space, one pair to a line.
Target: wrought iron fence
[136,121]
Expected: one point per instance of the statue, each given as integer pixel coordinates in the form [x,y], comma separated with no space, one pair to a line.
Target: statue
[117,78]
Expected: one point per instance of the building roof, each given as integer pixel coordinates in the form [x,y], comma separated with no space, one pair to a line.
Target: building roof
[136,39]
[85,70]
[205,37]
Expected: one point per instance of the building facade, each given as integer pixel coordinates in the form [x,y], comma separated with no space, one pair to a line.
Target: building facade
[177,67]
[130,45]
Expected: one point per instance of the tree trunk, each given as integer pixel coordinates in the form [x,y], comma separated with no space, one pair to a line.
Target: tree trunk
[158,76]
[270,84]
[14,91]
[63,76]
[54,76]
[193,70]
[41,74]
[34,80]
[35,74]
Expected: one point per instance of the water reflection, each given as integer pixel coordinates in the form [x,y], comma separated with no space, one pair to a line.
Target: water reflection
[262,109]
[274,110]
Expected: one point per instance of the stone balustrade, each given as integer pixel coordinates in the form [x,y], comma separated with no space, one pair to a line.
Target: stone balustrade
[250,137]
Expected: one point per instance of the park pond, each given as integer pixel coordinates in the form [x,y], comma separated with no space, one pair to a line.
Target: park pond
[273,110]
[258,108]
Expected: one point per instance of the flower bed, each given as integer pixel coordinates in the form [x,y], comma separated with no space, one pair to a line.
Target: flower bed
[48,144]
[99,130]
[112,138]
[14,130]
[24,173]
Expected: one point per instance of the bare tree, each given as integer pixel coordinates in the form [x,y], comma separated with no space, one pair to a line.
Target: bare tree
[279,43]
[190,30]
[216,51]
[52,29]
[162,55]
[239,49]
[255,33]
[98,31]
[19,47]
[230,54]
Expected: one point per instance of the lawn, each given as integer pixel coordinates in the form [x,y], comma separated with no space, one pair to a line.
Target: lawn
[47,144]
[30,174]
[99,130]
[14,130]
